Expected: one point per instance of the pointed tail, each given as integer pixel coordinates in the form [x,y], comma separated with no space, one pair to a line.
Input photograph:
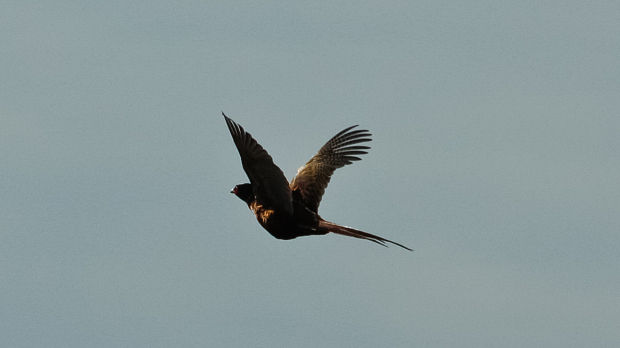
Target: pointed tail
[351,232]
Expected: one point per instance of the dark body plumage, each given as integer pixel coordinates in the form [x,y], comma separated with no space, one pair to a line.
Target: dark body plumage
[290,210]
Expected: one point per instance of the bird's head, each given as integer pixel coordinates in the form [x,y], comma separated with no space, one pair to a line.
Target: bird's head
[244,192]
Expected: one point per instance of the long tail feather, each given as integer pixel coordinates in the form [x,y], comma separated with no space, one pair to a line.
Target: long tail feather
[351,232]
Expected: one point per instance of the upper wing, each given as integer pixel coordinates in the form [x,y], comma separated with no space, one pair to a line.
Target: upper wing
[268,182]
[313,177]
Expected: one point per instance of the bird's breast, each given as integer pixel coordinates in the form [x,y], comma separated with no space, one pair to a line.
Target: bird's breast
[262,214]
[278,223]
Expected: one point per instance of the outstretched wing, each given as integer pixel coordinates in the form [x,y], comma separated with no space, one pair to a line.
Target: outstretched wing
[268,182]
[312,179]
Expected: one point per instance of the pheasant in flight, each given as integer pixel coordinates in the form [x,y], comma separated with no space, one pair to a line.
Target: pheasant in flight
[289,211]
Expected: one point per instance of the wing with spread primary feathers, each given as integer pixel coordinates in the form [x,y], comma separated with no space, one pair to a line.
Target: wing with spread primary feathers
[268,182]
[312,179]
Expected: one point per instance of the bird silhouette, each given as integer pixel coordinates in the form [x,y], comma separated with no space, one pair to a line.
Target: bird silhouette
[289,211]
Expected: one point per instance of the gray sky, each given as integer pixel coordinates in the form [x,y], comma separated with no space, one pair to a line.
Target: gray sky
[495,156]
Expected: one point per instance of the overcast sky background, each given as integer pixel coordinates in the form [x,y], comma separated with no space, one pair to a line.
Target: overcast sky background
[495,156]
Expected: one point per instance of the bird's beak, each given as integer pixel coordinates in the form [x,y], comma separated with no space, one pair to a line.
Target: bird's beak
[232,191]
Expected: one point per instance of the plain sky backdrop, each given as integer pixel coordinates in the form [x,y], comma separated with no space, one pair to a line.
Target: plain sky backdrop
[496,156]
